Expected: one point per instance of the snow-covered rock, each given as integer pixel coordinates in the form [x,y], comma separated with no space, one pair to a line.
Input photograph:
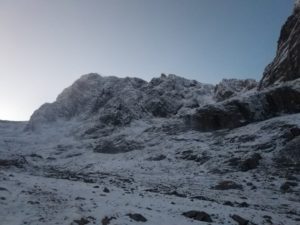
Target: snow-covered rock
[247,108]
[286,64]
[228,88]
[118,101]
[94,97]
[54,178]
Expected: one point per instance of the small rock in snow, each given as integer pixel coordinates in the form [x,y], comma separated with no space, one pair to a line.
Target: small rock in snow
[137,217]
[198,215]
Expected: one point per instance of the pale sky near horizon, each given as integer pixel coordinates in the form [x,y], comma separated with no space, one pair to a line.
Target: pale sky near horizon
[46,45]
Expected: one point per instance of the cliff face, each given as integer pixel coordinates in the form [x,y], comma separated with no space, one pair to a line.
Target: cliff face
[278,91]
[286,64]
[229,88]
[118,101]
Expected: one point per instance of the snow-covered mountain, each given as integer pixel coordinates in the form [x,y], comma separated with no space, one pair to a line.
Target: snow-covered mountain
[118,101]
[174,151]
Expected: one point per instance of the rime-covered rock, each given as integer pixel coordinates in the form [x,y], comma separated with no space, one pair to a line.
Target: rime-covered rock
[286,64]
[242,110]
[110,100]
[228,88]
[117,101]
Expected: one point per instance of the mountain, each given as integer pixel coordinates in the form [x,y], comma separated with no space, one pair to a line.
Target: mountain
[118,101]
[123,151]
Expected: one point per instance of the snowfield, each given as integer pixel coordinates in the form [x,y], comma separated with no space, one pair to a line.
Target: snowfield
[54,177]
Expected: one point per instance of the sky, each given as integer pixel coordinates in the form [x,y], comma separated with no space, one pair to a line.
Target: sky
[46,45]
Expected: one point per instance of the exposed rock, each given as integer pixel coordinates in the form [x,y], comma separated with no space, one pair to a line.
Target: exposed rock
[106,190]
[227,185]
[254,107]
[169,95]
[243,205]
[240,220]
[106,220]
[18,162]
[175,193]
[198,215]
[137,217]
[157,158]
[3,189]
[295,131]
[251,163]
[290,132]
[286,64]
[287,186]
[82,221]
[289,155]
[203,198]
[228,203]
[113,145]
[191,156]
[235,161]
[228,88]
[35,156]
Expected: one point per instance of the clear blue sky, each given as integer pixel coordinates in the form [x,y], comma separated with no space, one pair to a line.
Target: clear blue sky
[47,44]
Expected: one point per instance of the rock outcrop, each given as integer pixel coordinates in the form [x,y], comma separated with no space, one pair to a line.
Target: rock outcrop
[117,101]
[239,111]
[278,91]
[289,155]
[286,64]
[94,97]
[228,88]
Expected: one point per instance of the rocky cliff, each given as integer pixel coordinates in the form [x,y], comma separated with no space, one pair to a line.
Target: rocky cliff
[117,101]
[286,64]
[278,91]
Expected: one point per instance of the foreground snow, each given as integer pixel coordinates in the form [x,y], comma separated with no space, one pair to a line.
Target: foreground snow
[55,177]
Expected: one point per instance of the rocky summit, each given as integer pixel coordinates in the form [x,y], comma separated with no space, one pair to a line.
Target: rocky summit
[170,151]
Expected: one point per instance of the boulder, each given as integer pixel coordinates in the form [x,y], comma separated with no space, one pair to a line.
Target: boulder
[251,162]
[113,145]
[289,155]
[227,185]
[198,215]
[137,217]
[240,220]
[106,220]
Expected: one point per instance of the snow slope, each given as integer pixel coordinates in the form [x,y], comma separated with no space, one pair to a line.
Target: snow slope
[54,178]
